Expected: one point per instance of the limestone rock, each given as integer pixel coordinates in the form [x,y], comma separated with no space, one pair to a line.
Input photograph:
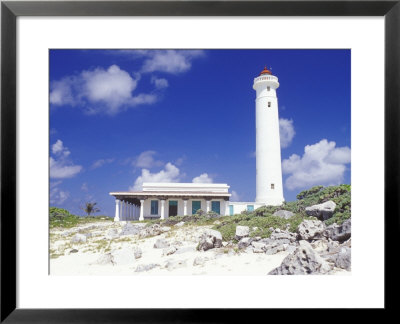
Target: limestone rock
[242,231]
[180,224]
[259,247]
[124,255]
[152,230]
[130,229]
[210,239]
[112,233]
[146,267]
[174,264]
[79,238]
[164,229]
[311,230]
[322,211]
[170,250]
[199,261]
[337,232]
[304,260]
[244,242]
[161,244]
[137,252]
[343,259]
[283,214]
[105,259]
[284,237]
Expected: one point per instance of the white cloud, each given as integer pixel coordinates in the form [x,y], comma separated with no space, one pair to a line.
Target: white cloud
[321,164]
[60,166]
[234,196]
[159,83]
[170,173]
[146,160]
[57,196]
[59,149]
[99,90]
[100,163]
[286,131]
[170,61]
[203,178]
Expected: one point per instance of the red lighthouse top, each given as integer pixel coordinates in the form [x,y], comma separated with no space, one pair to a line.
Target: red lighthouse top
[265,71]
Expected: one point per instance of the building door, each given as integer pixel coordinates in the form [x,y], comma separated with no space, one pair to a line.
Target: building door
[196,205]
[231,210]
[215,207]
[173,208]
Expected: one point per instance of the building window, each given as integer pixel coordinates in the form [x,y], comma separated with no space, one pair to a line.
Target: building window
[215,206]
[250,208]
[196,205]
[268,88]
[272,186]
[269,104]
[230,210]
[154,207]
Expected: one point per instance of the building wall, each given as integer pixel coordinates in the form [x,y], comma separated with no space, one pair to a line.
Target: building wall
[238,207]
[147,206]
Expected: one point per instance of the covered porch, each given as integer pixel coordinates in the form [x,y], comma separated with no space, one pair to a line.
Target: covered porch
[151,205]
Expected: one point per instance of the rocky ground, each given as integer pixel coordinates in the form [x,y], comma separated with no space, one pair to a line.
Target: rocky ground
[124,248]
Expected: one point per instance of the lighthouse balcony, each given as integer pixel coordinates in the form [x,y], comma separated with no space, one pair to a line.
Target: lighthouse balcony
[265,81]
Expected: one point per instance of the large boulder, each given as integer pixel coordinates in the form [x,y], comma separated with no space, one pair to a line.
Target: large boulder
[304,260]
[283,214]
[322,211]
[242,231]
[343,258]
[337,232]
[311,230]
[210,239]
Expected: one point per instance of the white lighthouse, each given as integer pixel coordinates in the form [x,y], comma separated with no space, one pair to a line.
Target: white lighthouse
[268,148]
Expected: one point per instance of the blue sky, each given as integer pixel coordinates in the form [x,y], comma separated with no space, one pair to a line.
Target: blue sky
[121,117]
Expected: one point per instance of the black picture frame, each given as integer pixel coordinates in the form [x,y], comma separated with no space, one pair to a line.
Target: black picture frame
[11,10]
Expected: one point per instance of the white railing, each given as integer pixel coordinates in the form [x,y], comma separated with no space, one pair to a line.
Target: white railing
[266,78]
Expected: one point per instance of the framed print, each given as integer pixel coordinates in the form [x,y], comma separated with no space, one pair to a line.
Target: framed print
[139,115]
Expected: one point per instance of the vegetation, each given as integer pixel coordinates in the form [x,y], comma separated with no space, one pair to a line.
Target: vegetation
[262,218]
[90,208]
[59,217]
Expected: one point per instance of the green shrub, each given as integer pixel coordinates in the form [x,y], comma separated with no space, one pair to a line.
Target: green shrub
[263,218]
[59,217]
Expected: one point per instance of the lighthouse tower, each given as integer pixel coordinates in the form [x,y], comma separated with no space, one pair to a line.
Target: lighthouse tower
[268,148]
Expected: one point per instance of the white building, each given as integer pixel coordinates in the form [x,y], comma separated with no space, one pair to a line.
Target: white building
[162,200]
